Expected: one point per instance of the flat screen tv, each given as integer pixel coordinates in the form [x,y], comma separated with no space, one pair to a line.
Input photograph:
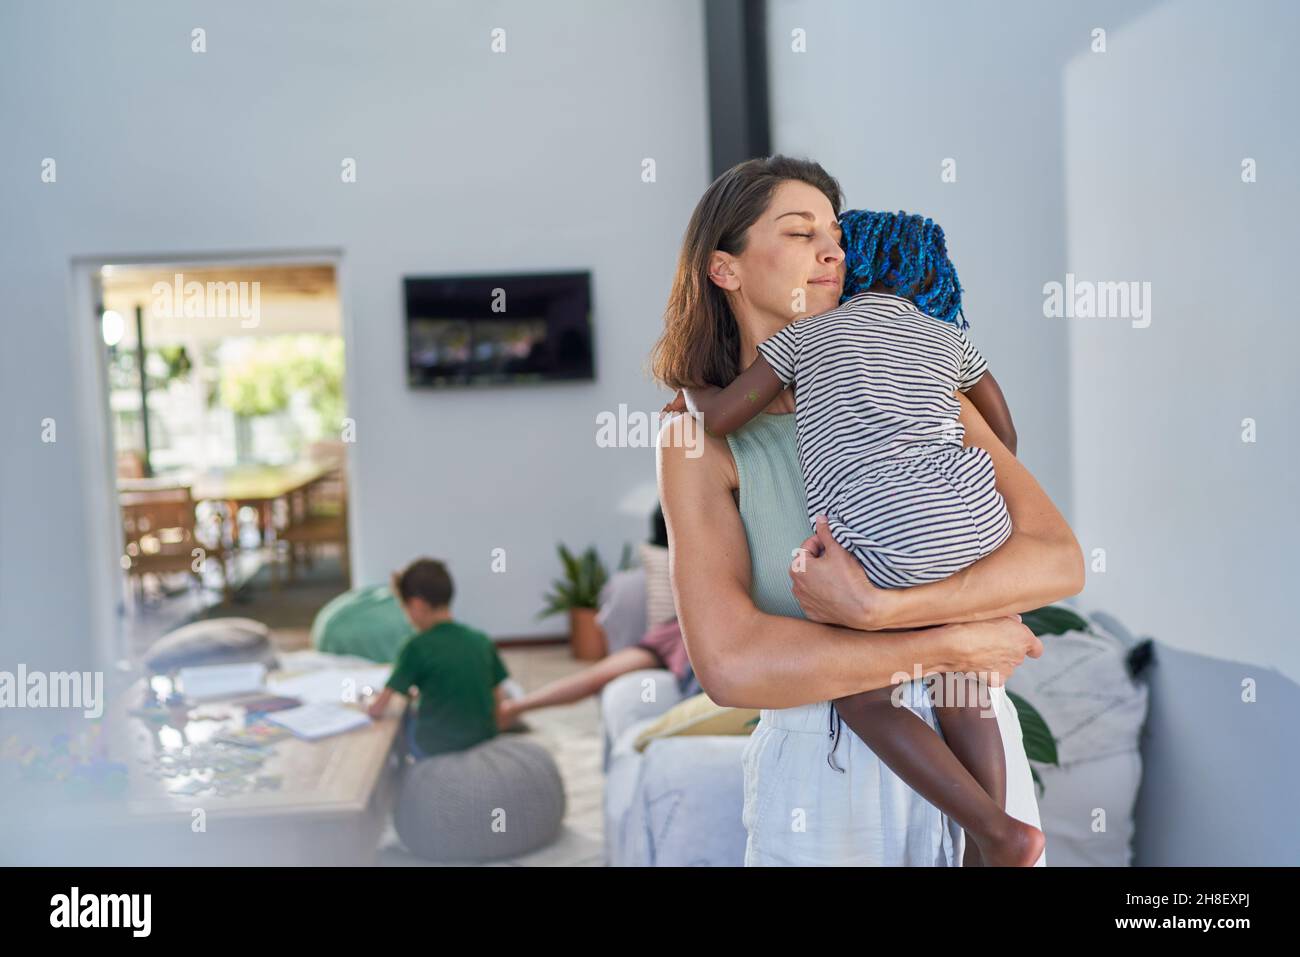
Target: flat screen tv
[498,330]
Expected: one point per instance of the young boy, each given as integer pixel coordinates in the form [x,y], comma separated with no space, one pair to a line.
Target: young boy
[456,670]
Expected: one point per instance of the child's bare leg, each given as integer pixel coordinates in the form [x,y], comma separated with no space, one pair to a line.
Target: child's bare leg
[976,741]
[921,758]
[970,727]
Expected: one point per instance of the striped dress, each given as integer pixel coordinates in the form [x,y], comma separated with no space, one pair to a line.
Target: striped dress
[880,443]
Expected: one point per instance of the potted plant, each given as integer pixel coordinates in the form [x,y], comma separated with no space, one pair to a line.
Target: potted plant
[578,593]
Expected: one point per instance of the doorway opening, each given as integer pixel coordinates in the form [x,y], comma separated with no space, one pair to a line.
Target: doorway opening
[222,393]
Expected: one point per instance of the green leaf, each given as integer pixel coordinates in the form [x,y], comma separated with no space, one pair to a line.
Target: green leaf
[570,563]
[1054,620]
[1039,744]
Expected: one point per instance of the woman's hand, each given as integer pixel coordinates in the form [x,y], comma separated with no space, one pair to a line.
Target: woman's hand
[993,648]
[830,585]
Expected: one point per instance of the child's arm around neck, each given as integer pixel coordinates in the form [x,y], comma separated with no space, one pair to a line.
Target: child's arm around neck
[725,409]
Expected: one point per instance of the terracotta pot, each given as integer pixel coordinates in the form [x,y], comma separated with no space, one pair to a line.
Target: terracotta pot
[586,637]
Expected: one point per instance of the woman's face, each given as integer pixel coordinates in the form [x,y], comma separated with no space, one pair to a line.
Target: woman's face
[793,264]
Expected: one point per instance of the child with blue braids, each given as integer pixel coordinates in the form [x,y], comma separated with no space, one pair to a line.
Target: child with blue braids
[880,448]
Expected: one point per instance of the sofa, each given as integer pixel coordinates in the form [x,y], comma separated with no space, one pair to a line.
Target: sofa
[678,801]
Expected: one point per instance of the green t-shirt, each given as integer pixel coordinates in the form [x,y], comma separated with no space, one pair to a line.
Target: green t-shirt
[457,669]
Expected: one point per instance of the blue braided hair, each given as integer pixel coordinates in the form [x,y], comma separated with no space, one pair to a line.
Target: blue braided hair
[907,255]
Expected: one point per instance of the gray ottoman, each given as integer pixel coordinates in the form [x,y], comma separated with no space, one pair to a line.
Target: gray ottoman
[502,798]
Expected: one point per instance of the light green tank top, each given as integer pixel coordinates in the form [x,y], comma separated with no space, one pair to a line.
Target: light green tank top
[773,507]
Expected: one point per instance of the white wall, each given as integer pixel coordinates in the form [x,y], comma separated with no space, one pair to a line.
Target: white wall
[884,94]
[1199,528]
[467,161]
[1123,165]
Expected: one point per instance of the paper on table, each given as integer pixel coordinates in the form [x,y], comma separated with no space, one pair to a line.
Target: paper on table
[313,721]
[220,681]
[331,685]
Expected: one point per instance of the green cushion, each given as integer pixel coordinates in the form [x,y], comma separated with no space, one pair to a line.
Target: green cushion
[367,622]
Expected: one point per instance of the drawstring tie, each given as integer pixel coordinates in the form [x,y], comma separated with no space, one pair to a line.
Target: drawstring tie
[835,721]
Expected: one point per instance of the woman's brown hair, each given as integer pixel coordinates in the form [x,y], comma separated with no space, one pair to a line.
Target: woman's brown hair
[700,344]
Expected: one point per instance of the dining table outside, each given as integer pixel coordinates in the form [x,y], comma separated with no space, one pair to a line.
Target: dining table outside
[255,486]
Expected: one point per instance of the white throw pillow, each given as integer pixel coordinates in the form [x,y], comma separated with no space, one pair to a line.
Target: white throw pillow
[1087,809]
[660,607]
[1095,711]
[1081,687]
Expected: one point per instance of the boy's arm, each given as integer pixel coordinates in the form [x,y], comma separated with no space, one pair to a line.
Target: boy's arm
[987,397]
[723,410]
[499,695]
[380,705]
[399,682]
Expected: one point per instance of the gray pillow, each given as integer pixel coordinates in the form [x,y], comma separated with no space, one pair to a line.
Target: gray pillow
[623,609]
[218,641]
[1095,710]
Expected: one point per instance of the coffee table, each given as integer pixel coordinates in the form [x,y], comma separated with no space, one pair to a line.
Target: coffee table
[306,802]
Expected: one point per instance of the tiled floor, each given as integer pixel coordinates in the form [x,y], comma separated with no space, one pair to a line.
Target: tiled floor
[572,734]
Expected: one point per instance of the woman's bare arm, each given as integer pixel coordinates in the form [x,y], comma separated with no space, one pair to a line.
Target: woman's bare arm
[744,657]
[1040,563]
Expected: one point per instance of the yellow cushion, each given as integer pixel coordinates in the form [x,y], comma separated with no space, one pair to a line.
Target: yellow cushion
[698,715]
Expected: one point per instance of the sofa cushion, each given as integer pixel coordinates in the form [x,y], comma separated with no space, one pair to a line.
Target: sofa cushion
[686,811]
[502,798]
[633,697]
[1087,810]
[698,715]
[215,641]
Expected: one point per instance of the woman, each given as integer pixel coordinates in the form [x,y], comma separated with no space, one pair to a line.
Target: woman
[762,248]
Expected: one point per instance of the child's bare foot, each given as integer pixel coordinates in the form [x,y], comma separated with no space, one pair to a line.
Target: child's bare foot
[1020,846]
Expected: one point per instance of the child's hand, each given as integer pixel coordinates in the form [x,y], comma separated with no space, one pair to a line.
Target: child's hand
[678,404]
[378,707]
[506,715]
